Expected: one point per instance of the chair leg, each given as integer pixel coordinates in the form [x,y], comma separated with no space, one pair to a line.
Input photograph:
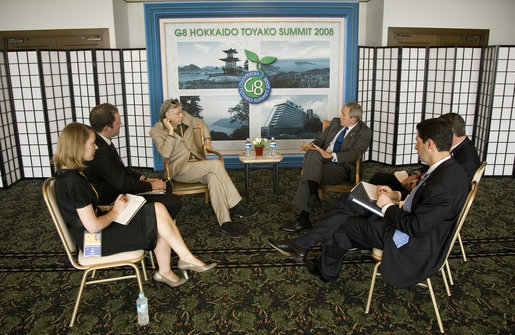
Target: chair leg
[320,193]
[152,262]
[449,272]
[446,284]
[372,284]
[433,299]
[462,248]
[79,295]
[206,197]
[144,269]
[138,276]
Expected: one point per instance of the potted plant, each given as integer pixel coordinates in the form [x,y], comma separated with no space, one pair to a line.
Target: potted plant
[259,144]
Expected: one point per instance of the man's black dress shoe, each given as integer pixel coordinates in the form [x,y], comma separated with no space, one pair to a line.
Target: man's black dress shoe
[297,226]
[314,201]
[242,211]
[289,248]
[314,269]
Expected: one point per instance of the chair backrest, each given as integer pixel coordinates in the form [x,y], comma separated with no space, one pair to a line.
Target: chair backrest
[198,137]
[325,124]
[479,173]
[463,214]
[60,225]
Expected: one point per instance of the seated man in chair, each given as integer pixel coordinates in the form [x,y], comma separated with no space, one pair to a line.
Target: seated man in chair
[110,176]
[173,137]
[411,237]
[462,150]
[330,159]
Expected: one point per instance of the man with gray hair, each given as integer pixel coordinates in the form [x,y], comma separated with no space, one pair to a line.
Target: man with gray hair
[330,159]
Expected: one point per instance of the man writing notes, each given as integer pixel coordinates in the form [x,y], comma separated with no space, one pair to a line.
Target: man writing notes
[411,237]
[108,173]
[330,159]
[173,137]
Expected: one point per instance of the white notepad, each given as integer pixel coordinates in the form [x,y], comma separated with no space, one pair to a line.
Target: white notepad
[135,203]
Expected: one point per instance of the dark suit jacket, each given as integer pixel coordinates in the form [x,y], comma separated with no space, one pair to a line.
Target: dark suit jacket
[466,155]
[110,177]
[354,145]
[435,209]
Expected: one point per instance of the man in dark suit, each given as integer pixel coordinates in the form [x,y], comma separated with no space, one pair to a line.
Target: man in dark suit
[330,159]
[412,237]
[462,150]
[107,172]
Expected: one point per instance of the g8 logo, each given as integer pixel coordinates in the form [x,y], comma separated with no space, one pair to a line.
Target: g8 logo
[254,87]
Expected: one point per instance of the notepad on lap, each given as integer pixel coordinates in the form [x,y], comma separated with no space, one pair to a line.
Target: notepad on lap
[365,195]
[133,206]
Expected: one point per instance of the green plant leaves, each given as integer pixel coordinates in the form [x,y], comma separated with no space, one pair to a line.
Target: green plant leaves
[252,56]
[268,60]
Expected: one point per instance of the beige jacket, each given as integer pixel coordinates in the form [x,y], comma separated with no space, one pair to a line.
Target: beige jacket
[179,149]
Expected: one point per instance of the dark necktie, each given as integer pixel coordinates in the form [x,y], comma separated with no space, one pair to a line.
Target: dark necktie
[339,140]
[409,200]
[113,148]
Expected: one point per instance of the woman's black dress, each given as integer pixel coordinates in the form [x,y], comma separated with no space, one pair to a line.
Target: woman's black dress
[73,191]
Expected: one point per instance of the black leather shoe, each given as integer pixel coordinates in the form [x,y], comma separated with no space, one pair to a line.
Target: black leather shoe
[228,228]
[289,248]
[314,269]
[314,201]
[297,226]
[242,211]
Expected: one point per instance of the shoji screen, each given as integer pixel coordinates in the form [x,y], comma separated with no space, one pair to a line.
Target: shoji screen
[137,107]
[10,169]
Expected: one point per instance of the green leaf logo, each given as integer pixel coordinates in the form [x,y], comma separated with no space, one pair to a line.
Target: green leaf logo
[254,58]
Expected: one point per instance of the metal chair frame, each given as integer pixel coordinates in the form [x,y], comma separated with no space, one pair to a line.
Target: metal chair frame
[90,264]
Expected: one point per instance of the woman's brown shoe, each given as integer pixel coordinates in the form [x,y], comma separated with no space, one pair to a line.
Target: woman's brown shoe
[190,267]
[160,279]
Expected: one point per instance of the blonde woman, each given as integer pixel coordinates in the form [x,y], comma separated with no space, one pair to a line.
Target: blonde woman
[152,228]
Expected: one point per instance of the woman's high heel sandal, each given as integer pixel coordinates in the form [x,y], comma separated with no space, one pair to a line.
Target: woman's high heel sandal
[182,265]
[158,279]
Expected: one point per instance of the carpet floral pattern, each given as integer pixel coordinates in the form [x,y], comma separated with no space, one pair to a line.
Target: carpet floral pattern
[255,290]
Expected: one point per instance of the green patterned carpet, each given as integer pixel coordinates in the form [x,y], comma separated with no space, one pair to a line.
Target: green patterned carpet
[255,290]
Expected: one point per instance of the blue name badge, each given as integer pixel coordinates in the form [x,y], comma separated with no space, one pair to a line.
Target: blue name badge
[92,244]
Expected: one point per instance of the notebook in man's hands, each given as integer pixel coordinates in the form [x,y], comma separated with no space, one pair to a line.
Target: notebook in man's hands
[365,195]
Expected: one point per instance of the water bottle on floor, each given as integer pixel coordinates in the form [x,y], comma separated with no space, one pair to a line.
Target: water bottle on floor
[142,307]
[273,147]
[248,146]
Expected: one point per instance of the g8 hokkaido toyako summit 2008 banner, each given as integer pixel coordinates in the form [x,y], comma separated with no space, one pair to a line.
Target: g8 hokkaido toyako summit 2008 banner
[255,78]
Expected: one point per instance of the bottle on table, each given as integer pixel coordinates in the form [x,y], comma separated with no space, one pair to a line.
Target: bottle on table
[248,146]
[142,307]
[273,147]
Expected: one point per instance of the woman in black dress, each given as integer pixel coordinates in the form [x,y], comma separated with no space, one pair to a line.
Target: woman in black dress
[151,228]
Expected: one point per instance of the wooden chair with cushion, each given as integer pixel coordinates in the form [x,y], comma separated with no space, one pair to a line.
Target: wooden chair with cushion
[181,188]
[90,264]
[346,186]
[377,255]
